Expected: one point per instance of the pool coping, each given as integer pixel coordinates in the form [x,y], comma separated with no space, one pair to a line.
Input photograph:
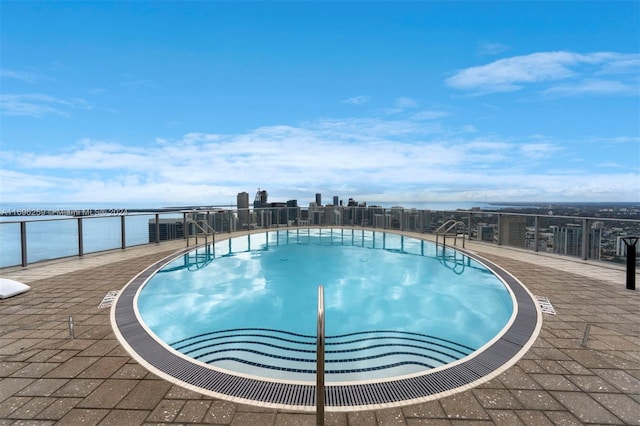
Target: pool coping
[481,366]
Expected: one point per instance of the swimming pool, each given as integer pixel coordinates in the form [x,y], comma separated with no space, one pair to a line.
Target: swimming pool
[398,310]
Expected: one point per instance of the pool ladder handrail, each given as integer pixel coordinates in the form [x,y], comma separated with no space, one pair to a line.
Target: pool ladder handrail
[204,228]
[320,360]
[451,223]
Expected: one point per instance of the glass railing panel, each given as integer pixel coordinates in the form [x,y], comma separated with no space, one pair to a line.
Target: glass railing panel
[560,235]
[438,219]
[138,230]
[171,227]
[484,227]
[101,233]
[218,221]
[51,239]
[10,246]
[607,242]
[513,231]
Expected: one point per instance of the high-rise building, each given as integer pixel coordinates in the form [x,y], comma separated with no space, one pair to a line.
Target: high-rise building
[244,218]
[293,212]
[260,202]
[417,220]
[382,220]
[336,200]
[170,229]
[261,199]
[396,217]
[328,215]
[318,199]
[568,240]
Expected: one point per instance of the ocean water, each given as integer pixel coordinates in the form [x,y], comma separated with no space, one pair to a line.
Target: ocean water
[56,236]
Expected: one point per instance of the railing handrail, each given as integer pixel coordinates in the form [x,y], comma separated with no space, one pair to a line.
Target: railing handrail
[320,360]
[535,234]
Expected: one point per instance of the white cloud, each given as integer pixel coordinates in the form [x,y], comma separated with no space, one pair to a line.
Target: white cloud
[368,159]
[401,105]
[38,105]
[512,74]
[405,103]
[25,76]
[539,150]
[429,115]
[489,48]
[357,100]
[593,87]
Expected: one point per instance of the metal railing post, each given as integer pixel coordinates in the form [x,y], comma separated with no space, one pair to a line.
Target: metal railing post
[80,242]
[536,235]
[123,234]
[185,231]
[157,228]
[320,360]
[585,239]
[23,242]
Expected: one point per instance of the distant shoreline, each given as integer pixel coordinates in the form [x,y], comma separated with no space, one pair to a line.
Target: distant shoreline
[67,210]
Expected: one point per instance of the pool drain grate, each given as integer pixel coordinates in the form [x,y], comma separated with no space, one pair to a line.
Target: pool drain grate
[108,299]
[545,305]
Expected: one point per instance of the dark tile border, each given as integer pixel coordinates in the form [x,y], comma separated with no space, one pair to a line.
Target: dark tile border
[479,367]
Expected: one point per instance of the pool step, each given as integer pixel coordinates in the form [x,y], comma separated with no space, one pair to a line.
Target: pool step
[355,356]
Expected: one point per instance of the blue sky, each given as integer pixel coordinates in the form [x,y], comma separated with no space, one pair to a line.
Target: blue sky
[193,102]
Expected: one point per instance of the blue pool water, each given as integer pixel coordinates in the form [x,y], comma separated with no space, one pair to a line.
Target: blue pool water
[394,305]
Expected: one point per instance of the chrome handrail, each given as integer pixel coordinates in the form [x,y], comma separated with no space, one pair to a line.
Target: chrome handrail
[452,224]
[201,225]
[320,360]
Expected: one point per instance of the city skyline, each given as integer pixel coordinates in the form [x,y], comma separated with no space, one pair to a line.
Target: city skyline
[404,101]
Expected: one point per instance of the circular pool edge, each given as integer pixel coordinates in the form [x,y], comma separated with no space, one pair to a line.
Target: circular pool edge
[482,365]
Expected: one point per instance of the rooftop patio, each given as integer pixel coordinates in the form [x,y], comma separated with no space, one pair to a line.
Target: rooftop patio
[48,378]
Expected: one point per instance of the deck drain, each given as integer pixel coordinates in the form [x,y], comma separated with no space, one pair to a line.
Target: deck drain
[545,305]
[108,299]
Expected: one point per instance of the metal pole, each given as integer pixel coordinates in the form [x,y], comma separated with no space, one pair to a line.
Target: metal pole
[157,228]
[585,239]
[71,333]
[631,242]
[23,242]
[80,242]
[585,336]
[123,234]
[185,232]
[320,360]
[536,230]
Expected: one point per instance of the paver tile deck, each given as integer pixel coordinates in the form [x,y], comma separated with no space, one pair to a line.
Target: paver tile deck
[48,378]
